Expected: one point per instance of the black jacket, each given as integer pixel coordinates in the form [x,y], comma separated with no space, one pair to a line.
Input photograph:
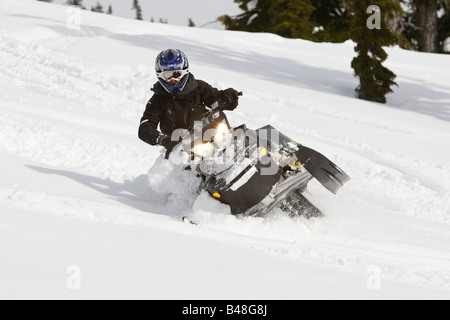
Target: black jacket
[172,112]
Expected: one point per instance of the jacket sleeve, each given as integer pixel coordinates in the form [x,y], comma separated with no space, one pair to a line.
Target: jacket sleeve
[208,93]
[148,128]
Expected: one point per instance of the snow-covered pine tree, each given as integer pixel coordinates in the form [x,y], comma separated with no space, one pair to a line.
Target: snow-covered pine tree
[375,79]
[137,7]
[77,3]
[97,8]
[294,18]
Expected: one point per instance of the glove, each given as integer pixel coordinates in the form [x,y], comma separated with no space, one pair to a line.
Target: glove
[162,140]
[166,142]
[229,99]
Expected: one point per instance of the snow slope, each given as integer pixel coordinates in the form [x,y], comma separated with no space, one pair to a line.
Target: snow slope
[81,217]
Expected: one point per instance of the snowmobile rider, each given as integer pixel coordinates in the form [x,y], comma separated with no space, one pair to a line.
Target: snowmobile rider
[178,100]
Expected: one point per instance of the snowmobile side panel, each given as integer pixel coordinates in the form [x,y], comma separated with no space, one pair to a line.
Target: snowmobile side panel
[247,194]
[279,193]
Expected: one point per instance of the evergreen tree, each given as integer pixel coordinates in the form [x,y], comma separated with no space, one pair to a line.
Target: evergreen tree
[137,7]
[291,18]
[375,79]
[334,16]
[444,24]
[191,23]
[394,18]
[76,3]
[255,17]
[294,18]
[110,10]
[433,22]
[427,23]
[287,18]
[410,31]
[98,8]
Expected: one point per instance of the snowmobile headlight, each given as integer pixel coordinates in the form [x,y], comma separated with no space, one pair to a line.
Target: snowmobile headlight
[204,149]
[222,132]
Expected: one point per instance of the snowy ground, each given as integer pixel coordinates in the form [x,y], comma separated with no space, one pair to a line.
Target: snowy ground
[79,215]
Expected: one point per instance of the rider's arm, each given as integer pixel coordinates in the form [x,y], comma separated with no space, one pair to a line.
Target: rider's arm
[208,93]
[228,99]
[148,128]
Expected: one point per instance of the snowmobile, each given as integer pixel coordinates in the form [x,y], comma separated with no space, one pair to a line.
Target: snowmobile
[253,171]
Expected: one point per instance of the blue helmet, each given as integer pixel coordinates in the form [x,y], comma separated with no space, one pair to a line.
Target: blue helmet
[172,69]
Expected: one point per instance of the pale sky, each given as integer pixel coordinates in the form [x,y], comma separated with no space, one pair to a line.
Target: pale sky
[177,12]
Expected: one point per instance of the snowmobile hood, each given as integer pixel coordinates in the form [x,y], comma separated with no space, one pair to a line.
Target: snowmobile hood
[191,85]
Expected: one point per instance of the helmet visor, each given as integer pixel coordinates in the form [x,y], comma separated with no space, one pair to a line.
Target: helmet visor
[173,75]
